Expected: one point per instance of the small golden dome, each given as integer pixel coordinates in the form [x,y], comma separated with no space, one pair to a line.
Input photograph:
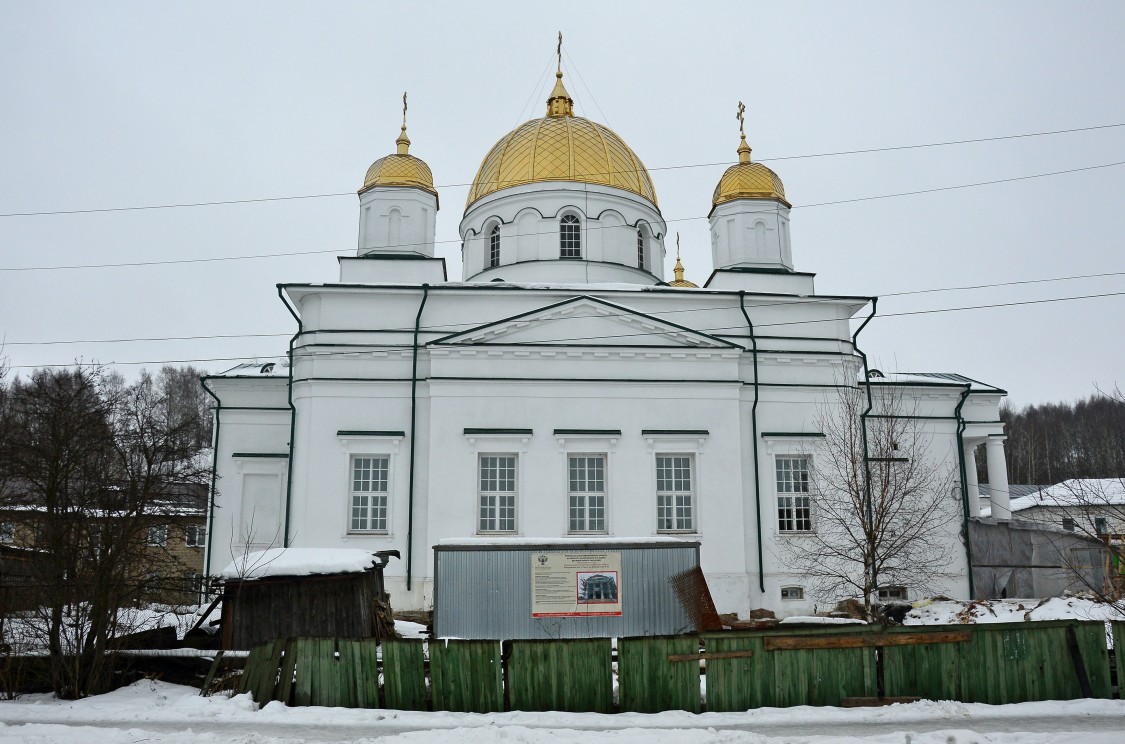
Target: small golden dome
[678,270]
[561,147]
[402,168]
[748,180]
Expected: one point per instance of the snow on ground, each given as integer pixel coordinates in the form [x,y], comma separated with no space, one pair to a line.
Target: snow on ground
[151,710]
[819,620]
[955,612]
[407,629]
[25,631]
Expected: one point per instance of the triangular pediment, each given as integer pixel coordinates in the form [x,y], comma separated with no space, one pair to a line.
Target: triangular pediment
[585,321]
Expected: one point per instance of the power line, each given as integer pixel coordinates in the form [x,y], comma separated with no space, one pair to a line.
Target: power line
[442,242]
[455,327]
[867,151]
[375,347]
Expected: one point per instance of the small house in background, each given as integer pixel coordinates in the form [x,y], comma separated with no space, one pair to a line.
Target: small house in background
[306,592]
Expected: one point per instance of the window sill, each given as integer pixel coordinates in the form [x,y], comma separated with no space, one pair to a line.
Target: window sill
[795,533]
[367,533]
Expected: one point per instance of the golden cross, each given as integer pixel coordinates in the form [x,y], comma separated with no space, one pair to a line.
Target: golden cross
[740,117]
[404,109]
[677,245]
[559,51]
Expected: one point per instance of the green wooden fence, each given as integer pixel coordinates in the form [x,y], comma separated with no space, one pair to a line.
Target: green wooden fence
[745,669]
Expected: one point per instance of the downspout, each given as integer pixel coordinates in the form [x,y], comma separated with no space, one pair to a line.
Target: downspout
[413,440]
[754,431]
[292,418]
[214,477]
[961,426]
[863,431]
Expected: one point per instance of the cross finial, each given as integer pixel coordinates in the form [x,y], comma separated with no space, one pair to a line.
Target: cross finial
[677,245]
[559,52]
[741,118]
[404,109]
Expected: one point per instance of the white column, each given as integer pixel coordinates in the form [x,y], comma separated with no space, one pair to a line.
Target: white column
[971,479]
[998,479]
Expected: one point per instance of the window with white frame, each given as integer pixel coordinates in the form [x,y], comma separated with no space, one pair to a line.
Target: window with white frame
[892,593]
[494,247]
[640,249]
[158,535]
[370,486]
[570,237]
[675,493]
[195,535]
[586,492]
[792,592]
[794,502]
[497,494]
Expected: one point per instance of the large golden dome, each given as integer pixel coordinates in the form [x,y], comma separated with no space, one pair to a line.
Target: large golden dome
[561,147]
[747,180]
[400,169]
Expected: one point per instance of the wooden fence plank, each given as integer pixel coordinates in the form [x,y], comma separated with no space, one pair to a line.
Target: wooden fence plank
[574,675]
[284,691]
[738,683]
[792,643]
[302,685]
[466,676]
[649,682]
[404,674]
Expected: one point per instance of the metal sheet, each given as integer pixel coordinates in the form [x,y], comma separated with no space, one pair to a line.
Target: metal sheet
[484,592]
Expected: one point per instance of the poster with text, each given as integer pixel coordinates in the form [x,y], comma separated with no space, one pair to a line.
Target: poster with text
[576,583]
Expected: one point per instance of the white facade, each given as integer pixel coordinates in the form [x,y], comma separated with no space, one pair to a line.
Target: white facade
[552,396]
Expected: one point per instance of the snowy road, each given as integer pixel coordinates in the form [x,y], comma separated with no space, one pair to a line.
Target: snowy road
[158,712]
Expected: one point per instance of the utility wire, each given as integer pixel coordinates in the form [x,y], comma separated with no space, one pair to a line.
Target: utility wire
[947,143]
[607,227]
[453,328]
[719,330]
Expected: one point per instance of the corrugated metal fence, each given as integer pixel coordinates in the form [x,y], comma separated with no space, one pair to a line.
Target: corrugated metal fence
[750,669]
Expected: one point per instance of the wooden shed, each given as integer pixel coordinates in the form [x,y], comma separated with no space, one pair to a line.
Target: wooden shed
[305,592]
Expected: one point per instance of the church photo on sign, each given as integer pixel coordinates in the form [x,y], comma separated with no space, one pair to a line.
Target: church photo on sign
[564,390]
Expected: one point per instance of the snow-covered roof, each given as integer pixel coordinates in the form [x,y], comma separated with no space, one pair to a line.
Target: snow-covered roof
[298,562]
[932,378]
[263,367]
[1076,492]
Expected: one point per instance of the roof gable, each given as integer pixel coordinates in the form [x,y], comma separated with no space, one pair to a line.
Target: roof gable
[585,321]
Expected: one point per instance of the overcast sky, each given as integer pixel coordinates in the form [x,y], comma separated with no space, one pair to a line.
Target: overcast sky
[131,104]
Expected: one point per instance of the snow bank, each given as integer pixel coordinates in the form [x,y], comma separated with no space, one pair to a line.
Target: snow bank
[955,612]
[818,620]
[298,562]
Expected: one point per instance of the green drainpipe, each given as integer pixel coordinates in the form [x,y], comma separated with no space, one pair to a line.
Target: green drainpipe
[961,425]
[292,418]
[754,430]
[863,431]
[214,477]
[413,440]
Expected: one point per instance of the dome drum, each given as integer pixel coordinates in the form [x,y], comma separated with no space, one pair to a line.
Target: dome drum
[530,218]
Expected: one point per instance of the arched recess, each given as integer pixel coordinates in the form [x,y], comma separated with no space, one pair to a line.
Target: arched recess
[394,228]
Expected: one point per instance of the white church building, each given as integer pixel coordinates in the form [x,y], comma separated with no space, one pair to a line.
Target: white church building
[561,389]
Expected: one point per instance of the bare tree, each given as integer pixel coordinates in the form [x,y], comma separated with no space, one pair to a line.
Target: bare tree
[100,465]
[882,504]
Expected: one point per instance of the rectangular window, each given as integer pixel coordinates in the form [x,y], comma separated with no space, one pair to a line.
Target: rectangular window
[195,535]
[1068,524]
[792,592]
[1101,525]
[158,536]
[497,493]
[7,532]
[369,493]
[586,492]
[892,592]
[794,504]
[674,493]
